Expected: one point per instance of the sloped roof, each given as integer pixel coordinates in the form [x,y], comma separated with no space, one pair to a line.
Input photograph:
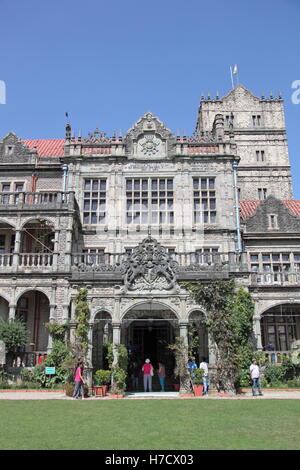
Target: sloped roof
[47,147]
[248,208]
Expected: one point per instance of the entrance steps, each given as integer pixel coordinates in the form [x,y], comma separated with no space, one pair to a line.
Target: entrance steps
[152,395]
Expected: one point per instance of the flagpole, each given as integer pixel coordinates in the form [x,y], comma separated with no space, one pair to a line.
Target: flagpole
[231,77]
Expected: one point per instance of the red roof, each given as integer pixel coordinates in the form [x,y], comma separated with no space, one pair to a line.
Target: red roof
[248,208]
[47,147]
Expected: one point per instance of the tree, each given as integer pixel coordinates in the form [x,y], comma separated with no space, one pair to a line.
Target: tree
[228,317]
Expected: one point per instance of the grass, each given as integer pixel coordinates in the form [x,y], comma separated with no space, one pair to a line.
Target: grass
[150,424]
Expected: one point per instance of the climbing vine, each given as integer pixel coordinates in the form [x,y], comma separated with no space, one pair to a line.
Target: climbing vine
[82,315]
[228,318]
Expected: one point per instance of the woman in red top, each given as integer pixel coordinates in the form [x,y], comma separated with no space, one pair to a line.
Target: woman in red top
[79,381]
[148,372]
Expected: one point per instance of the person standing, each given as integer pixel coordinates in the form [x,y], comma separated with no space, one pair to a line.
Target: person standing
[148,373]
[204,366]
[192,366]
[162,375]
[255,374]
[79,381]
[135,370]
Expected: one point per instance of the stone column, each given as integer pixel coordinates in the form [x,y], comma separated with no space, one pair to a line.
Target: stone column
[116,340]
[89,365]
[17,248]
[211,352]
[12,311]
[257,331]
[183,328]
[55,251]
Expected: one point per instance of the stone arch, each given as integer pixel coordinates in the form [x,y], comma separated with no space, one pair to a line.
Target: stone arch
[33,309]
[280,326]
[276,304]
[37,219]
[28,289]
[138,302]
[99,310]
[101,334]
[4,308]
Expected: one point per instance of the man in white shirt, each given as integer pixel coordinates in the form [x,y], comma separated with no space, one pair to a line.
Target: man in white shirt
[204,366]
[254,374]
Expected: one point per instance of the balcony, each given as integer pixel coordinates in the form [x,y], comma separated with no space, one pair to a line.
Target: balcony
[275,279]
[48,200]
[188,265]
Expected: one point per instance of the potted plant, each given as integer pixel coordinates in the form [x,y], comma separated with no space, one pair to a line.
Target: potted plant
[197,382]
[102,380]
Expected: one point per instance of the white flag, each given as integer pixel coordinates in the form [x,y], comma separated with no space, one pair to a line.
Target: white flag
[235,70]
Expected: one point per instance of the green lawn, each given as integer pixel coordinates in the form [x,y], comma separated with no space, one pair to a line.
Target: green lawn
[150,424]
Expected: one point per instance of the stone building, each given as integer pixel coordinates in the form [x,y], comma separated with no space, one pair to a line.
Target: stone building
[131,217]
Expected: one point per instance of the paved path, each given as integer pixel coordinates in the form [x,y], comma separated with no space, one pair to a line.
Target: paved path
[9,395]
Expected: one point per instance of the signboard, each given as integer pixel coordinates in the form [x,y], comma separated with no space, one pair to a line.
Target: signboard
[49,370]
[2,352]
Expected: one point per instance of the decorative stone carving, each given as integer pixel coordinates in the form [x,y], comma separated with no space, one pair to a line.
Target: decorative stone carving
[149,267]
[149,137]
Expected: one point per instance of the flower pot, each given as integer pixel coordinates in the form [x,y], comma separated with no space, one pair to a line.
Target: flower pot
[100,390]
[115,396]
[198,390]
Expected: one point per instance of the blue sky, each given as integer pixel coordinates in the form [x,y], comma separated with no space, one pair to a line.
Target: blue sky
[109,62]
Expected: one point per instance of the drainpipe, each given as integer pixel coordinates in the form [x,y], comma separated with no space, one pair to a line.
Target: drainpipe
[237,207]
[65,172]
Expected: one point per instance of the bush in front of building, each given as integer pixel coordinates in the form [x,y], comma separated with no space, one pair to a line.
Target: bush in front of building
[14,335]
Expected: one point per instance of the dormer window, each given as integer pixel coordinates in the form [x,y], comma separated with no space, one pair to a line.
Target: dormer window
[273,221]
[256,120]
[9,149]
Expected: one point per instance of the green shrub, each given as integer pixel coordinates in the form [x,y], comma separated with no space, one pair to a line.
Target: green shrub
[198,374]
[118,380]
[14,334]
[294,383]
[102,377]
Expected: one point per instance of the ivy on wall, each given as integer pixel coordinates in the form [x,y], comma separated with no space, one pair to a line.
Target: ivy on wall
[229,318]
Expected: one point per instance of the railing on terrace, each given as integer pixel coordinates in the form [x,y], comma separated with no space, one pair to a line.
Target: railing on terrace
[35,259]
[275,279]
[190,260]
[6,259]
[28,359]
[48,199]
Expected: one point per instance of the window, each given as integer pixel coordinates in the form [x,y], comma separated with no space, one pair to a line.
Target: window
[262,193]
[18,189]
[149,201]
[93,256]
[206,255]
[229,118]
[9,149]
[204,200]
[274,267]
[94,201]
[260,155]
[5,188]
[256,120]
[273,221]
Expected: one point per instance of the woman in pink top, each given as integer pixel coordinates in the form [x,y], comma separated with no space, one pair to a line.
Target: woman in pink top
[148,372]
[79,381]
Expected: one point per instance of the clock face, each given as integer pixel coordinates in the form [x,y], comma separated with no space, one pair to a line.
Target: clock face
[149,145]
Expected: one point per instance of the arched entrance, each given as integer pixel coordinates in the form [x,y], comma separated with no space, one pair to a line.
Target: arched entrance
[102,334]
[280,327]
[147,330]
[33,310]
[198,336]
[4,309]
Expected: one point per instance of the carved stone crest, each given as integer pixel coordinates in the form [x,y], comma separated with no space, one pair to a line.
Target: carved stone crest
[149,267]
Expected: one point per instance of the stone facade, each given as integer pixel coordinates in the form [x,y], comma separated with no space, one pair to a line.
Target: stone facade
[132,217]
